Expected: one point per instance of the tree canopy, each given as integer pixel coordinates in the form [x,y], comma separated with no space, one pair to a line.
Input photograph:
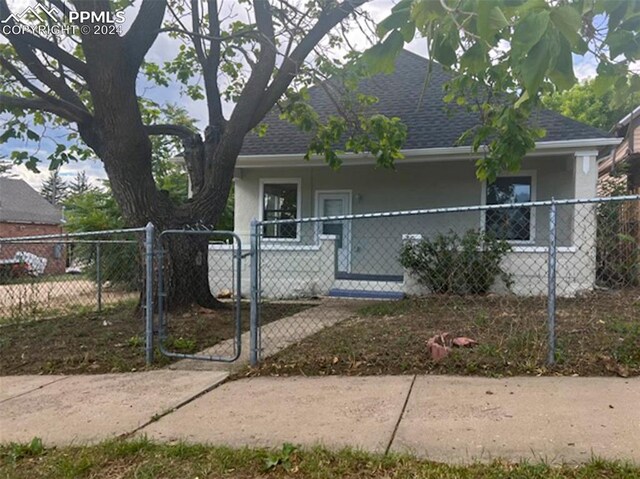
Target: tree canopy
[581,102]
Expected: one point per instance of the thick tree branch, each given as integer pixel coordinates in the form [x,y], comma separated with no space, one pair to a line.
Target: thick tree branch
[144,31]
[291,64]
[195,27]
[261,73]
[50,48]
[39,70]
[37,104]
[211,66]
[71,111]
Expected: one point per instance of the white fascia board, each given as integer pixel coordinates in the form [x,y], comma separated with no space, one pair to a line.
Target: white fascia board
[422,155]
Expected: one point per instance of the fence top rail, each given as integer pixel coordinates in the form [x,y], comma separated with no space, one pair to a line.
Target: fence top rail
[455,209]
[19,240]
[70,236]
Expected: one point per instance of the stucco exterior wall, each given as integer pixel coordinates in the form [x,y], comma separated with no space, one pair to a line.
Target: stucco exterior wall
[287,273]
[375,243]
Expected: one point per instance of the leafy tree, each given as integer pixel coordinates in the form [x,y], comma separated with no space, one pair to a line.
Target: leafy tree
[504,55]
[92,210]
[581,102]
[54,188]
[97,210]
[79,185]
[88,84]
[93,86]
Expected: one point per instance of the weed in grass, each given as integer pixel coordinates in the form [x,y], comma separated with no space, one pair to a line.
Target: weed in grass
[283,458]
[481,320]
[135,341]
[181,345]
[14,451]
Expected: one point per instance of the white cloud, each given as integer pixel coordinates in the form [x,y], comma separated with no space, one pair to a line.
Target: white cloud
[584,67]
[93,168]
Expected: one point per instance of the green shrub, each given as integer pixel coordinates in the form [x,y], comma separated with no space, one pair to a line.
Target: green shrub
[454,264]
[617,250]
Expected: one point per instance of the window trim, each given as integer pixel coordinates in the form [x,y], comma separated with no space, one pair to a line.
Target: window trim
[532,219]
[280,181]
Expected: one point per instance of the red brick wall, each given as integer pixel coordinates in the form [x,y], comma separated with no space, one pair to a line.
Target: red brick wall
[56,264]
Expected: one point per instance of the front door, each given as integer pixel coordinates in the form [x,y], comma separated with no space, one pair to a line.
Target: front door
[337,204]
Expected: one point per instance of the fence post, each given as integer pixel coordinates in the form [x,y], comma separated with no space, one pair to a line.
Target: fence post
[99,277]
[253,325]
[551,292]
[149,236]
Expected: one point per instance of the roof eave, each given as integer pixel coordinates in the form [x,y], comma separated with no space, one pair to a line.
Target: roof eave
[543,148]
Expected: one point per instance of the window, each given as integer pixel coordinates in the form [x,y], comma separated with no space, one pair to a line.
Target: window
[280,202]
[513,224]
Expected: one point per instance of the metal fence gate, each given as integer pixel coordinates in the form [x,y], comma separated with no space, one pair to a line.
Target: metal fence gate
[173,339]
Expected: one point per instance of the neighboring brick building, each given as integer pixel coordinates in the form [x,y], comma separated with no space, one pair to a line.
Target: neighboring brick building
[23,212]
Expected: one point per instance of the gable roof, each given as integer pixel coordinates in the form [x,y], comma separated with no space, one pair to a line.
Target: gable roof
[20,203]
[431,124]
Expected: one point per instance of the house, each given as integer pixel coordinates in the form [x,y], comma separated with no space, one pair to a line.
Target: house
[274,181]
[621,166]
[23,212]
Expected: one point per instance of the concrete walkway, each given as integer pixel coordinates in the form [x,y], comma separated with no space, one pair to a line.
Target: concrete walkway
[452,419]
[276,336]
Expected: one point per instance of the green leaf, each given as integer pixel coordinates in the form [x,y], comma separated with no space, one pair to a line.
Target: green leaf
[32,135]
[490,20]
[562,71]
[443,51]
[474,59]
[400,19]
[619,41]
[426,11]
[528,33]
[381,58]
[568,22]
[535,65]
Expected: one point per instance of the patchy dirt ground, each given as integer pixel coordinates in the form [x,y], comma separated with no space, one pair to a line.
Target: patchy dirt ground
[53,296]
[597,334]
[113,341]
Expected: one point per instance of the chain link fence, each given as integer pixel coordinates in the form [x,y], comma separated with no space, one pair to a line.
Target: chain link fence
[56,275]
[73,303]
[537,280]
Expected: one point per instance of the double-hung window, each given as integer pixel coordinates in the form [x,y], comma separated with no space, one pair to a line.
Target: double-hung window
[280,201]
[513,224]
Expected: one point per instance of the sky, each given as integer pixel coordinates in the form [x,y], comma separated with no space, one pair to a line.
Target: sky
[163,50]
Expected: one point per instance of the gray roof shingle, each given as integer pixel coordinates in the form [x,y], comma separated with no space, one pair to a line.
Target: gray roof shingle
[431,124]
[22,204]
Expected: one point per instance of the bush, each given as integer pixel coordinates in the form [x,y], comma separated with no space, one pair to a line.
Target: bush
[454,264]
[617,249]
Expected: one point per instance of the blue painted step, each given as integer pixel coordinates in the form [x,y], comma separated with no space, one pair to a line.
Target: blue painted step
[353,293]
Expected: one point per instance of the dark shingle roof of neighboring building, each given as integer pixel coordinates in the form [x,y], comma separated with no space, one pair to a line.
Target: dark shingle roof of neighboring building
[20,203]
[431,124]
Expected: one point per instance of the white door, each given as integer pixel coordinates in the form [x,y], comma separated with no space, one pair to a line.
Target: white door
[337,204]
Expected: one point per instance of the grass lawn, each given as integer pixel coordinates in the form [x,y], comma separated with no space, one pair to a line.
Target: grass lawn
[113,340]
[597,334]
[144,460]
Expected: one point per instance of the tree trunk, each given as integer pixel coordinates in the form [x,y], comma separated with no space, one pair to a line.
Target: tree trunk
[186,272]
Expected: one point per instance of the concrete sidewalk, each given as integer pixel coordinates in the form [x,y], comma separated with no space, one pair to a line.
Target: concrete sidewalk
[452,419]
